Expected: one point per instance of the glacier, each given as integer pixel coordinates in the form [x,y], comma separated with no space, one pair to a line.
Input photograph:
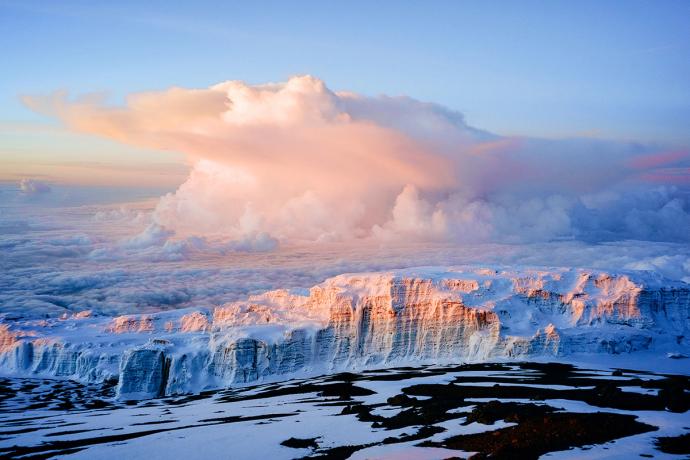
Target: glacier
[356,321]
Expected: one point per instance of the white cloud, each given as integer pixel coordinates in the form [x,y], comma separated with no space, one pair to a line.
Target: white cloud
[33,186]
[299,162]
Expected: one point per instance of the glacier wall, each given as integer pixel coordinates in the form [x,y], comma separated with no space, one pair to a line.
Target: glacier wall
[424,315]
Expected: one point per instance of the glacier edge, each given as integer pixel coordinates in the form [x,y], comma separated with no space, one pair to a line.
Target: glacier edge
[355,321]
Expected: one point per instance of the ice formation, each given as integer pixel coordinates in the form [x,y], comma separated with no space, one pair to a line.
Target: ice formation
[355,321]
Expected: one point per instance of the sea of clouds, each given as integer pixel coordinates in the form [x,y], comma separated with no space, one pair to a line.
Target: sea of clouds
[291,183]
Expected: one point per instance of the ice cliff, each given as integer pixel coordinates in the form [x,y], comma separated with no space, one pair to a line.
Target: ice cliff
[424,315]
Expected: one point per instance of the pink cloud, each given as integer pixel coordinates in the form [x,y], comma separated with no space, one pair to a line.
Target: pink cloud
[656,160]
[297,161]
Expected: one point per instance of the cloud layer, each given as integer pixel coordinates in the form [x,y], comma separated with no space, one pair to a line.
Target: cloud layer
[114,259]
[51,271]
[295,161]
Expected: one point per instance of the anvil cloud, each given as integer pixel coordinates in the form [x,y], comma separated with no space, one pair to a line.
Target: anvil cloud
[296,161]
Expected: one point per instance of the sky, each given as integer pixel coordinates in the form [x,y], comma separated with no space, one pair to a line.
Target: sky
[157,155]
[598,69]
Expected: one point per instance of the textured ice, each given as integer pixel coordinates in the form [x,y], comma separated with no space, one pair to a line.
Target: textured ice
[355,321]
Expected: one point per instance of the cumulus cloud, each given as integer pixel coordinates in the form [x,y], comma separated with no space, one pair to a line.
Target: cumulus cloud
[296,161]
[33,186]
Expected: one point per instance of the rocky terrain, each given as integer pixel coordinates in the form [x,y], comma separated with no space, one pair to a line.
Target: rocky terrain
[507,410]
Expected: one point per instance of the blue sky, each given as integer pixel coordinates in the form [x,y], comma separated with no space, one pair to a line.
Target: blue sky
[607,69]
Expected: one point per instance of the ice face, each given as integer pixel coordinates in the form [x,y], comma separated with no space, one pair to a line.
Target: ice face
[354,321]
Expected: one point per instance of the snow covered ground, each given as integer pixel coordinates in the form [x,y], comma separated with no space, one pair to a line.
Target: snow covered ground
[252,422]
